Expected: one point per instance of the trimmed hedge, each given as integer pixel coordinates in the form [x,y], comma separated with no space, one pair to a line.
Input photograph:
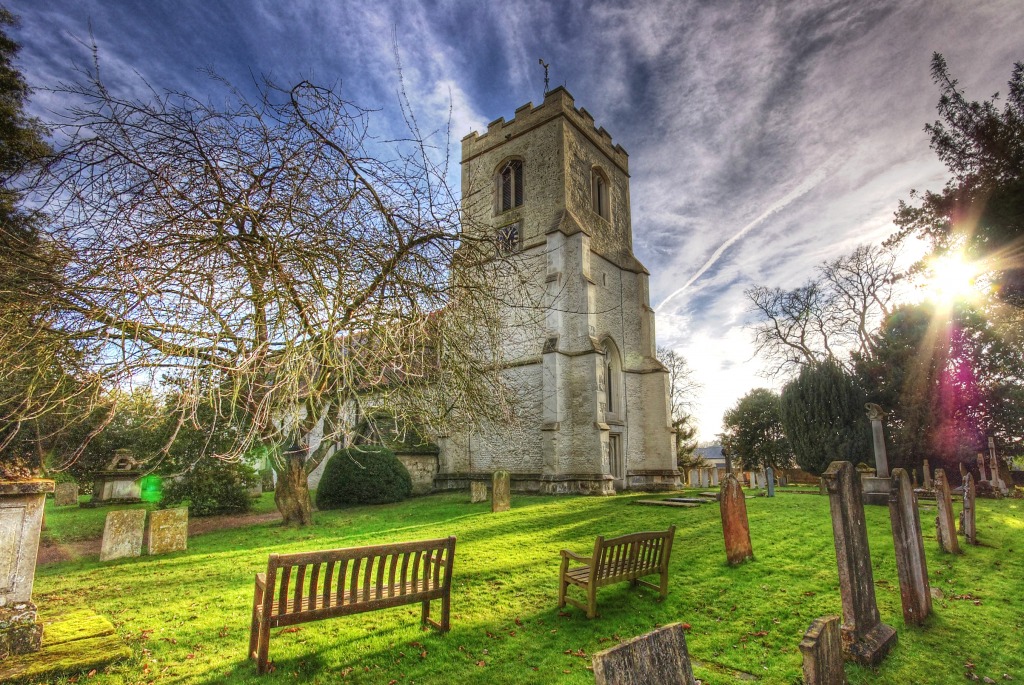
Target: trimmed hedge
[211,487]
[366,474]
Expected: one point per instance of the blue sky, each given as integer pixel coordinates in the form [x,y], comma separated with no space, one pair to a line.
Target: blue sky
[763,137]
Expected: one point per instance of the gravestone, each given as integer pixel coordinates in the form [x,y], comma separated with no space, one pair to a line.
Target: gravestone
[915,591]
[865,638]
[501,491]
[875,415]
[659,657]
[997,479]
[769,479]
[477,491]
[913,478]
[968,523]
[823,653]
[981,467]
[945,528]
[735,526]
[714,476]
[65,495]
[822,486]
[927,476]
[122,534]
[963,472]
[168,531]
[21,519]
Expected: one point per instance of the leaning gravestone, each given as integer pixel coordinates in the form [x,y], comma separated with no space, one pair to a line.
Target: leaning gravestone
[501,491]
[915,592]
[968,527]
[945,528]
[769,479]
[823,653]
[735,527]
[866,639]
[122,534]
[659,657]
[168,531]
[477,491]
[65,495]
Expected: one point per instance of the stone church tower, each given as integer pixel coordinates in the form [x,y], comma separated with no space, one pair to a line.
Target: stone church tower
[552,189]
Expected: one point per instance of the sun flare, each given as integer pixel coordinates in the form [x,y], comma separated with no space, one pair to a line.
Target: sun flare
[952,278]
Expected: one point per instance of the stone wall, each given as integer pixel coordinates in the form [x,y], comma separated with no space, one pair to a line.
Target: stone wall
[422,468]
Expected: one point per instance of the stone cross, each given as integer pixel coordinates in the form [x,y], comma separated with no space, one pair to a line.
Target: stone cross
[927,476]
[866,639]
[735,527]
[915,591]
[945,529]
[981,467]
[477,491]
[168,531]
[769,479]
[659,657]
[823,653]
[876,415]
[122,534]
[501,491]
[968,527]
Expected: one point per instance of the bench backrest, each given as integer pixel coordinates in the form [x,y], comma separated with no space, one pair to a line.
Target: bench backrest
[632,556]
[341,581]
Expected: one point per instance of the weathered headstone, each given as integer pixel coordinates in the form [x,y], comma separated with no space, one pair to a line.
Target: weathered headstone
[876,414]
[997,479]
[65,495]
[477,491]
[769,479]
[659,657]
[968,526]
[928,485]
[691,478]
[915,591]
[168,531]
[501,491]
[913,478]
[865,638]
[822,486]
[823,653]
[945,528]
[735,527]
[122,534]
[963,472]
[714,476]
[981,467]
[21,517]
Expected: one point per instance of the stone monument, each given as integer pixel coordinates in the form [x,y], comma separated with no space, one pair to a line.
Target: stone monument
[65,495]
[945,528]
[927,476]
[119,482]
[865,638]
[167,531]
[122,534]
[659,657]
[735,527]
[876,486]
[769,480]
[477,491]
[968,523]
[21,519]
[981,467]
[911,566]
[823,653]
[501,491]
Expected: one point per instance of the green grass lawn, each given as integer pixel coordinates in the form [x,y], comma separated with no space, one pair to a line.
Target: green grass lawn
[186,615]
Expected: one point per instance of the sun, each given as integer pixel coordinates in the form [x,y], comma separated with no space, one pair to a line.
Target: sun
[952,278]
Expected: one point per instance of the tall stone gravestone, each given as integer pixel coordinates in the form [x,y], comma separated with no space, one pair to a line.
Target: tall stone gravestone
[915,591]
[822,649]
[714,476]
[21,519]
[769,479]
[659,657]
[65,495]
[928,485]
[997,478]
[501,491]
[968,522]
[735,527]
[167,531]
[477,491]
[981,467]
[122,534]
[866,639]
[945,528]
[875,415]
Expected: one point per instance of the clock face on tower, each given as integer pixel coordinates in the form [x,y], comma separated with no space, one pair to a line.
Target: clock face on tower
[508,238]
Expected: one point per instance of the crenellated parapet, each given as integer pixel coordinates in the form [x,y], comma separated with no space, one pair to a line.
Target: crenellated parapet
[557,102]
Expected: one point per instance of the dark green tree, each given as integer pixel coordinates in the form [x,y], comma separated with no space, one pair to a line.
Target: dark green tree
[823,417]
[982,204]
[753,432]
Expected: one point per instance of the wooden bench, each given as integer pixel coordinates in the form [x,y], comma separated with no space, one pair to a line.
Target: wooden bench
[629,557]
[309,586]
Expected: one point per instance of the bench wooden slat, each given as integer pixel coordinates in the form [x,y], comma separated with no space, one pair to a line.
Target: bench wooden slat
[354,583]
[282,600]
[299,587]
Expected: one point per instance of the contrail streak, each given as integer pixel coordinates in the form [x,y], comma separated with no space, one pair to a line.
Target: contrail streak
[819,175]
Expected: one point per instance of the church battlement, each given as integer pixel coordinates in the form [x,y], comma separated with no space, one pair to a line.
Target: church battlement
[557,102]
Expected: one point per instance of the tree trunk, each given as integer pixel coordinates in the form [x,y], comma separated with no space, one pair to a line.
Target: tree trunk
[292,492]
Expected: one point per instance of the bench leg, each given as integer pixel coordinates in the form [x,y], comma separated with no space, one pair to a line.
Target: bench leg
[446,613]
[591,602]
[425,614]
[563,585]
[263,650]
[254,628]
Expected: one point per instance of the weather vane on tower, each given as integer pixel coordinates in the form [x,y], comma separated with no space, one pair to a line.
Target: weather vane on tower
[545,65]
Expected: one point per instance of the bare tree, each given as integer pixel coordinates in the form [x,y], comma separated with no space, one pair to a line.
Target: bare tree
[278,261]
[682,393]
[835,313]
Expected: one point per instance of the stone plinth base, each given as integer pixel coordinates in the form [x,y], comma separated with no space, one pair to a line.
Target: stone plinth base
[654,480]
[79,641]
[876,490]
[535,483]
[871,648]
[20,631]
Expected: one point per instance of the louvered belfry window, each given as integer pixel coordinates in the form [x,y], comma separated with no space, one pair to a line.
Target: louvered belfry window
[512,185]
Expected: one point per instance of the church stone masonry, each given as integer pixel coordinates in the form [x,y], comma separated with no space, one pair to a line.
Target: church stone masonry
[552,188]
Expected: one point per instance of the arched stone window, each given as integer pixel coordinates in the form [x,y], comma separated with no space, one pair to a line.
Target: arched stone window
[599,193]
[510,185]
[615,396]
